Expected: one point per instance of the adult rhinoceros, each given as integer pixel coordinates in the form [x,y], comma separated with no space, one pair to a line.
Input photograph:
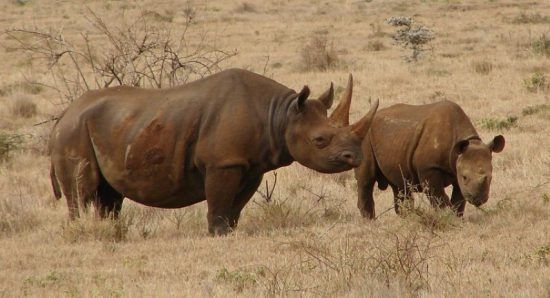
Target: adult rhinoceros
[212,139]
[428,147]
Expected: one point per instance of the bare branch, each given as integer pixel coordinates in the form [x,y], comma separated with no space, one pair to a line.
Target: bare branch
[134,54]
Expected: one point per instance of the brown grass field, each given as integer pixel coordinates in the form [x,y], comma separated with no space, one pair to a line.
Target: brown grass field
[490,56]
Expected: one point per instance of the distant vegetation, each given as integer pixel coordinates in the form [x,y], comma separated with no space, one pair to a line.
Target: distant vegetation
[537,82]
[499,124]
[541,46]
[408,35]
[136,54]
[319,54]
[9,143]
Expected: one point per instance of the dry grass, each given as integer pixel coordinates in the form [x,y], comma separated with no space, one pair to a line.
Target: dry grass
[375,46]
[23,106]
[319,54]
[309,240]
[483,67]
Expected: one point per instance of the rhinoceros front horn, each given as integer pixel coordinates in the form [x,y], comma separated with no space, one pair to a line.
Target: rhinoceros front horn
[361,127]
[340,115]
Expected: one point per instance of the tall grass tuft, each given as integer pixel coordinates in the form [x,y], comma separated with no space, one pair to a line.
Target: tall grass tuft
[319,54]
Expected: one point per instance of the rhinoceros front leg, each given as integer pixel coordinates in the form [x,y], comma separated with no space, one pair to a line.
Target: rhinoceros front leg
[365,201]
[365,176]
[457,201]
[250,187]
[222,186]
[435,189]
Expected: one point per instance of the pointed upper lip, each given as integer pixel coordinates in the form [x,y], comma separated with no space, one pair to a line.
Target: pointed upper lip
[356,162]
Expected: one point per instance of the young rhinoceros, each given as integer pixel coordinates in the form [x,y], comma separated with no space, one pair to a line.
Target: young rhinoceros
[433,145]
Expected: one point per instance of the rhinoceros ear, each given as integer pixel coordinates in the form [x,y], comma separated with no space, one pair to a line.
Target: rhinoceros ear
[301,99]
[327,98]
[461,146]
[497,144]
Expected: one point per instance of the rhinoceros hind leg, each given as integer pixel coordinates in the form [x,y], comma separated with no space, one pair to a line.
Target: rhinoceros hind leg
[108,201]
[78,180]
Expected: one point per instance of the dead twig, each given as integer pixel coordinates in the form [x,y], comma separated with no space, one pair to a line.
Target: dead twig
[268,195]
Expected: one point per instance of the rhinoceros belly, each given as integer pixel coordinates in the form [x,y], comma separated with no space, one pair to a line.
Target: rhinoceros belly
[150,163]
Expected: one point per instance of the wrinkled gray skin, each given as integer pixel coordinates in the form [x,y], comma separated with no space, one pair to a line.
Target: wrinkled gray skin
[212,139]
[433,145]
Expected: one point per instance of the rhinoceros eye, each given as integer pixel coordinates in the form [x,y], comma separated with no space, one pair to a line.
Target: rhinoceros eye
[320,141]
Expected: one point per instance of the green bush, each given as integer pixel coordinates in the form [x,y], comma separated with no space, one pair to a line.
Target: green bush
[541,46]
[530,110]
[530,18]
[8,144]
[499,124]
[537,82]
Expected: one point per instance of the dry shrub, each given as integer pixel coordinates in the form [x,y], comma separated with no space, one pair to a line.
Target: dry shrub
[541,46]
[433,219]
[408,35]
[278,215]
[9,143]
[168,17]
[495,124]
[530,18]
[23,106]
[133,54]
[89,228]
[187,221]
[482,67]
[238,279]
[339,265]
[319,55]
[537,82]
[271,213]
[375,46]
[419,210]
[404,256]
[21,87]
[246,7]
[531,110]
[16,216]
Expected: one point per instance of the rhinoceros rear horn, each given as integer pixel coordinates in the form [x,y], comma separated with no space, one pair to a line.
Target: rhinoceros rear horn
[340,115]
[361,127]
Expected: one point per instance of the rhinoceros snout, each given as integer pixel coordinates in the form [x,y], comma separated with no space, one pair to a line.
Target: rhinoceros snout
[477,199]
[351,158]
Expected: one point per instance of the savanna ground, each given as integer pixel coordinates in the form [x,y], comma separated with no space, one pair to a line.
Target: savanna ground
[491,57]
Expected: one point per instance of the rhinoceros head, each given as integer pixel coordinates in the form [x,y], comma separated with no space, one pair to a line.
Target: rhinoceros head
[474,167]
[326,144]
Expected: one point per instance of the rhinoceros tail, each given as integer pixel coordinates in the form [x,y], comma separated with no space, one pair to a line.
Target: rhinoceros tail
[55,183]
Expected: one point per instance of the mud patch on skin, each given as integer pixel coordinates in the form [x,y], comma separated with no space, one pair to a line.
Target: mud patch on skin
[150,148]
[153,156]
